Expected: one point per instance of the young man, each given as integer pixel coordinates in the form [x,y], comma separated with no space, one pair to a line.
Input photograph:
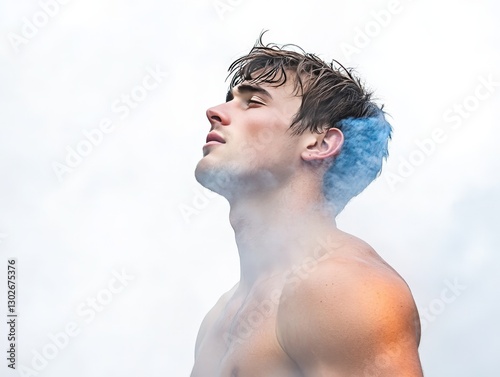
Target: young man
[295,140]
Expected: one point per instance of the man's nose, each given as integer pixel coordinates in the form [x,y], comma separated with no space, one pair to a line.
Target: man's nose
[218,115]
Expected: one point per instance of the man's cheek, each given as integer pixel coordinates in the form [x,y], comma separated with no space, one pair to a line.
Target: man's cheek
[249,151]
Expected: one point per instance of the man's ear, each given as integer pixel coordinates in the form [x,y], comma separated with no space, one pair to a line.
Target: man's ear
[324,145]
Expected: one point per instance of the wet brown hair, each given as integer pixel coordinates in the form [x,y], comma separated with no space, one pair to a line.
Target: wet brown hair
[330,92]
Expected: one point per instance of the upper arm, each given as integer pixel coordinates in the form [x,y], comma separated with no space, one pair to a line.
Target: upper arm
[346,321]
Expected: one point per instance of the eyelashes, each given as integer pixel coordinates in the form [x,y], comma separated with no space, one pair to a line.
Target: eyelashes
[255,101]
[252,100]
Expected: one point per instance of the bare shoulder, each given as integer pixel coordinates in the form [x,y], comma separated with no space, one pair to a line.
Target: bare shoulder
[212,316]
[349,311]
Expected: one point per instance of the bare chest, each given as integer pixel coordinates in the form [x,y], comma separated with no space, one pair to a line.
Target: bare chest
[242,342]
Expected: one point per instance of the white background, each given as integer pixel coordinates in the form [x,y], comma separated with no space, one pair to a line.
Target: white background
[119,209]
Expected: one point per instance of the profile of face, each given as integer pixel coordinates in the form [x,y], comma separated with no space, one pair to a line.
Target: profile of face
[250,145]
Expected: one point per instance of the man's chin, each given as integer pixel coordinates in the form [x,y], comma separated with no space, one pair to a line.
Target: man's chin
[213,178]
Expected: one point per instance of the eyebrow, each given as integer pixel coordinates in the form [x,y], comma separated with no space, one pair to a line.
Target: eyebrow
[247,88]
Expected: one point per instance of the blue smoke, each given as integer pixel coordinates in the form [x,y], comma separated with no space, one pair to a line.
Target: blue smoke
[360,159]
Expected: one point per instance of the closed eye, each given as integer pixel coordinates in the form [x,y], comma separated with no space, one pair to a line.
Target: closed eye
[256,100]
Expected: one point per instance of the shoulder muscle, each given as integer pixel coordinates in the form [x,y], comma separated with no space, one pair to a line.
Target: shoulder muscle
[345,315]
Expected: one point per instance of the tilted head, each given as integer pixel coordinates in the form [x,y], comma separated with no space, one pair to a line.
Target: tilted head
[332,97]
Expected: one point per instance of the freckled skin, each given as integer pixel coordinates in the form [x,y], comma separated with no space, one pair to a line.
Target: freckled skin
[312,301]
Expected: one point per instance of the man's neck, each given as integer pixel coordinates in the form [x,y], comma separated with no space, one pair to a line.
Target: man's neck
[278,230]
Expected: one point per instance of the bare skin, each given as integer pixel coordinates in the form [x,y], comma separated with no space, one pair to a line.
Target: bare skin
[311,300]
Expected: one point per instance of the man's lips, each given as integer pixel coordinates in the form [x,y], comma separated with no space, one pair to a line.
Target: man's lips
[214,138]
